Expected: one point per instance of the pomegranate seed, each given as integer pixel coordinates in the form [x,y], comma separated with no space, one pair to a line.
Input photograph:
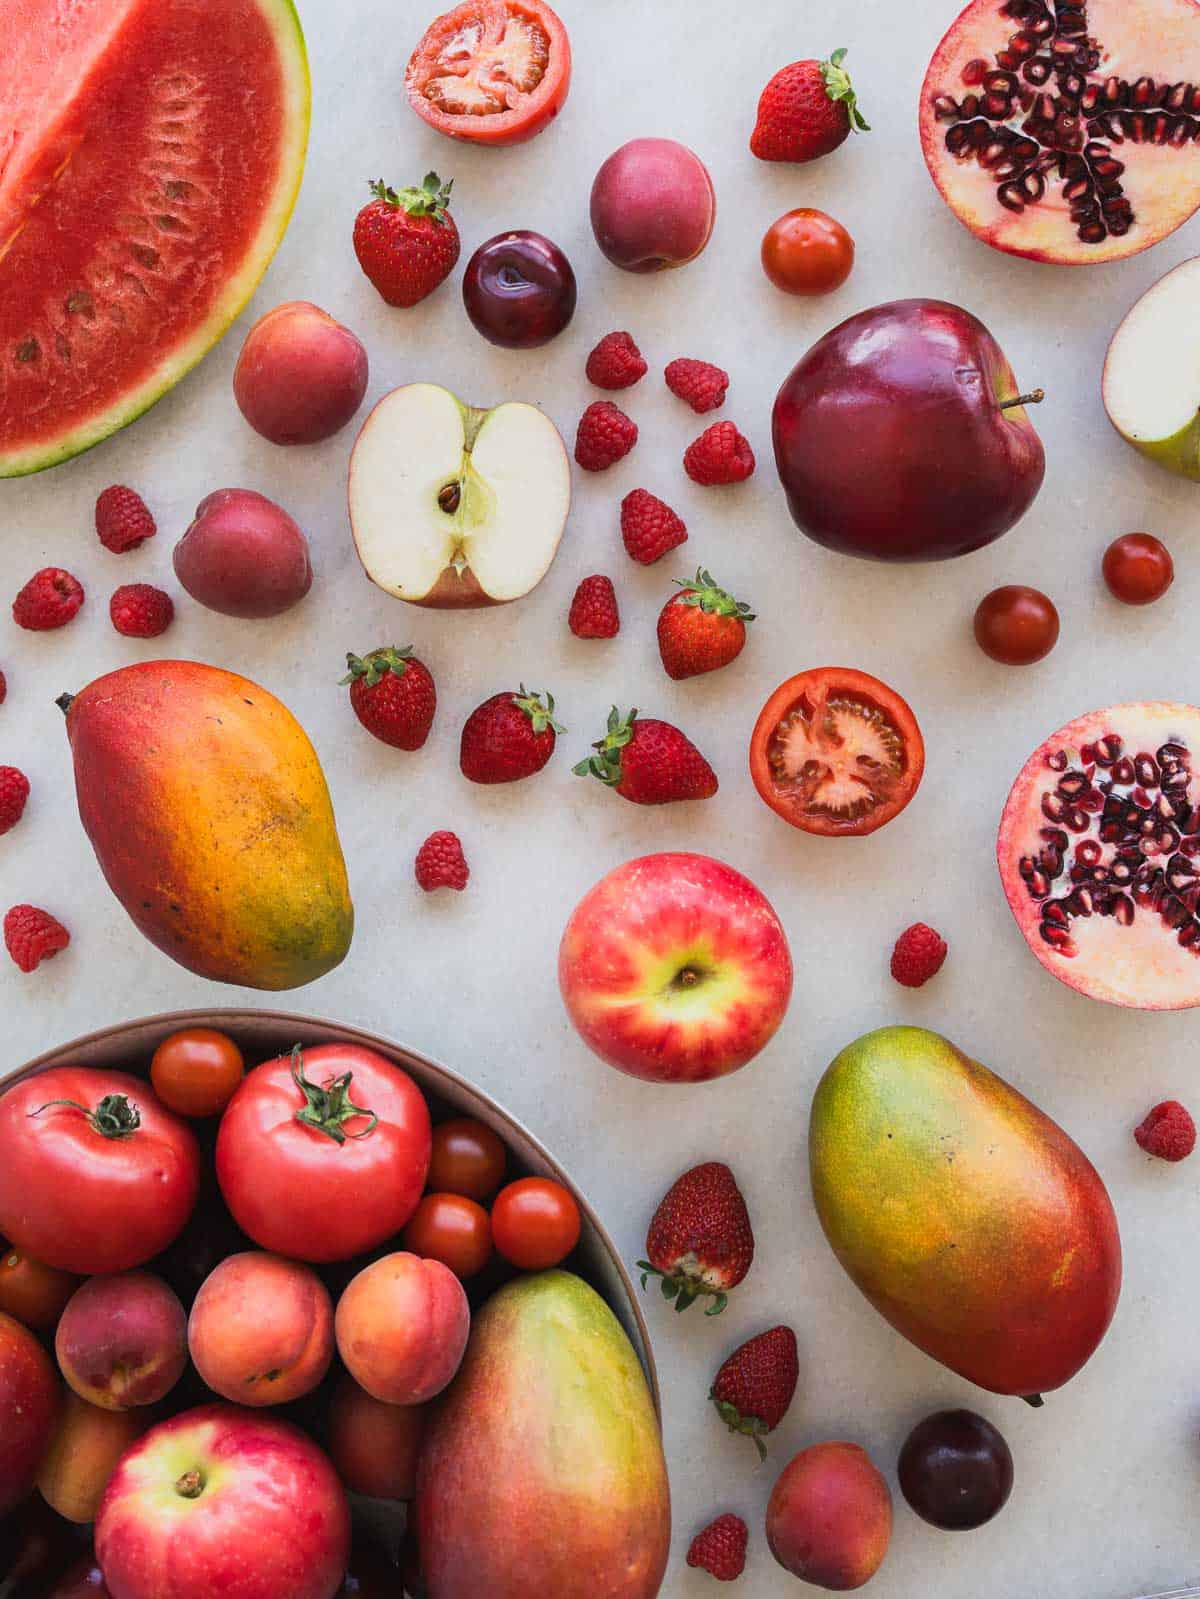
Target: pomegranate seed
[1058,761]
[975,72]
[1053,808]
[1089,852]
[1123,910]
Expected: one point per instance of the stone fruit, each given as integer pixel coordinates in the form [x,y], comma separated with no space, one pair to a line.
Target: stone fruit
[653,205]
[191,122]
[29,1404]
[243,555]
[902,436]
[122,1340]
[374,1446]
[1138,569]
[519,290]
[219,1484]
[956,1470]
[1149,386]
[301,375]
[261,1329]
[829,1518]
[544,1460]
[453,506]
[402,1326]
[209,814]
[674,968]
[83,1455]
[1047,133]
[1016,625]
[1099,854]
[998,1254]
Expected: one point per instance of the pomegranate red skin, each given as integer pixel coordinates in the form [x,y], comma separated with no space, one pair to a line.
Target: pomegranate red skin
[891,442]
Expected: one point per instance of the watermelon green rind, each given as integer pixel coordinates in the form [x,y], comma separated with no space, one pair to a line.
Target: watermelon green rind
[284,23]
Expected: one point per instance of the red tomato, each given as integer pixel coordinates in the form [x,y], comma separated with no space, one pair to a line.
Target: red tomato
[535,1223]
[195,1072]
[468,1158]
[491,71]
[836,752]
[32,1292]
[1016,625]
[452,1229]
[807,252]
[322,1154]
[1138,569]
[96,1175]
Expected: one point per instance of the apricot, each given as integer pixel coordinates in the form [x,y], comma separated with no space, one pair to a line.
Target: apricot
[402,1327]
[261,1329]
[653,205]
[829,1519]
[83,1454]
[243,556]
[34,1293]
[29,1404]
[122,1340]
[374,1445]
[301,375]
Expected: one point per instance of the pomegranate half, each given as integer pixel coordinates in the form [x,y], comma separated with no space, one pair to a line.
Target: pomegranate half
[1099,853]
[1067,132]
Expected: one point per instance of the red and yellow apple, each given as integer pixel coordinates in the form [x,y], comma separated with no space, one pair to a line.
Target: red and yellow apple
[675,968]
[29,1402]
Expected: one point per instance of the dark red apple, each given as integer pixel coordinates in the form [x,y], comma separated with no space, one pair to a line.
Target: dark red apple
[903,436]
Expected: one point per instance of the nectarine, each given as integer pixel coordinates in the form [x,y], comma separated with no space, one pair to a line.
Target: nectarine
[402,1327]
[122,1340]
[301,375]
[653,205]
[261,1329]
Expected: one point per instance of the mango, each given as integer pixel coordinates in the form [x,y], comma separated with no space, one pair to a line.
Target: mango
[542,1470]
[966,1216]
[212,823]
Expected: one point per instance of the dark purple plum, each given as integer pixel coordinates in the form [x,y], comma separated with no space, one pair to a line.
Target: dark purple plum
[956,1470]
[519,290]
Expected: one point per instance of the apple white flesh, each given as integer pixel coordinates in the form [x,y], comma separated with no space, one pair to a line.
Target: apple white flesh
[455,506]
[1151,379]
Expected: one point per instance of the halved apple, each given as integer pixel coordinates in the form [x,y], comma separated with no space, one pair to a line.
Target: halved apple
[453,506]
[1151,379]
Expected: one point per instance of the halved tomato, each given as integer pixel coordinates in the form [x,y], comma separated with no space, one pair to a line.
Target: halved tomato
[836,752]
[491,71]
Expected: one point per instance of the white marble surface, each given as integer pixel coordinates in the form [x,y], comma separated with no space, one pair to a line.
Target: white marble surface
[1107,1474]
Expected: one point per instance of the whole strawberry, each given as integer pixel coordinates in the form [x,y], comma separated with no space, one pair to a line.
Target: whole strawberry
[755,1386]
[806,111]
[701,629]
[699,1240]
[649,762]
[406,240]
[508,737]
[14,791]
[393,696]
[720,1548]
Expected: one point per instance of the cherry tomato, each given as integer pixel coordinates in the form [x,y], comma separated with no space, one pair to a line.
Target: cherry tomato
[96,1174]
[535,1223]
[1016,625]
[1138,568]
[34,1294]
[452,1229]
[195,1072]
[807,252]
[491,71]
[322,1154]
[467,1158]
[836,752]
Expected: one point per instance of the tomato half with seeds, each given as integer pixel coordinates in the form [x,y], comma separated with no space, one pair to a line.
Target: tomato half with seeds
[491,71]
[836,752]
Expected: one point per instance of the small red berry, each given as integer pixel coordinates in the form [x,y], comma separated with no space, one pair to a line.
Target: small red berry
[918,955]
[1168,1132]
[441,863]
[649,527]
[32,936]
[14,791]
[605,435]
[49,600]
[594,611]
[123,520]
[139,610]
[616,363]
[720,455]
[699,383]
[754,1388]
[720,1549]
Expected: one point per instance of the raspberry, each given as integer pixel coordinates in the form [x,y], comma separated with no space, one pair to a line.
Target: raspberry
[441,863]
[594,611]
[605,434]
[32,936]
[719,455]
[139,610]
[649,527]
[616,363]
[49,600]
[14,791]
[1168,1132]
[123,520]
[721,1548]
[700,383]
[918,955]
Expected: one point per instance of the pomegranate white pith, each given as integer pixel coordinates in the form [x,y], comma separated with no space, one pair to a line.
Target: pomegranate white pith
[1099,854]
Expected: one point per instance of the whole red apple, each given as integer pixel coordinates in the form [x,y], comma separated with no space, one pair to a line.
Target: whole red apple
[675,968]
[222,1500]
[29,1404]
[901,436]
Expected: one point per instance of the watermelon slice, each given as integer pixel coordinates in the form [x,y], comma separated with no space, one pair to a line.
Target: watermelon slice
[150,155]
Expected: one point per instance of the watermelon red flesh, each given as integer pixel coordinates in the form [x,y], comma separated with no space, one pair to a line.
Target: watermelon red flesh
[150,154]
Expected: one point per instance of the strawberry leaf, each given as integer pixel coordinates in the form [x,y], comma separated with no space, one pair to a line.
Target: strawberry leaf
[839,88]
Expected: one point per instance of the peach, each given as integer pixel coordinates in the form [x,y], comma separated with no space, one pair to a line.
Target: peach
[122,1340]
[261,1329]
[301,375]
[653,205]
[829,1519]
[29,1403]
[83,1454]
[402,1327]
[244,556]
[373,1445]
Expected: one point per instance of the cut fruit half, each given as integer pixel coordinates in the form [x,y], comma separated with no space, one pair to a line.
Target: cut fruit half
[150,156]
[452,506]
[1099,854]
[1067,132]
[1151,379]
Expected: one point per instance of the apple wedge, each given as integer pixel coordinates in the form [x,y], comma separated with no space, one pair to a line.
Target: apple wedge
[452,506]
[1151,381]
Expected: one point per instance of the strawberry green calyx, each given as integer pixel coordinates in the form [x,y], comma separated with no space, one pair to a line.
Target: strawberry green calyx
[606,764]
[683,1288]
[378,664]
[749,1426]
[430,200]
[839,88]
[541,715]
[704,591]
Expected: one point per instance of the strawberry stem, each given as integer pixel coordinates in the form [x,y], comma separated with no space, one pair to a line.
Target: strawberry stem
[430,200]
[839,88]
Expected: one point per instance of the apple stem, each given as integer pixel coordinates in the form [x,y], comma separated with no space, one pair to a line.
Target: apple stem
[688,977]
[1034,1401]
[1035,397]
[190,1485]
